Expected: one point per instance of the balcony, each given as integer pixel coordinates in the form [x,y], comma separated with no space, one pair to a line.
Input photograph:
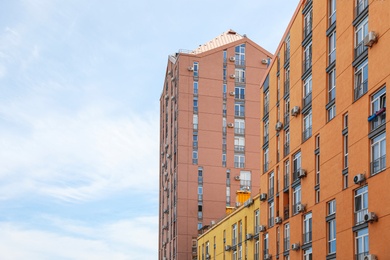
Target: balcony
[359,216]
[360,89]
[307,100]
[332,57]
[306,64]
[361,7]
[378,165]
[360,49]
[307,237]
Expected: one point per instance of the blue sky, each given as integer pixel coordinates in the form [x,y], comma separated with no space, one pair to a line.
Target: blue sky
[79,114]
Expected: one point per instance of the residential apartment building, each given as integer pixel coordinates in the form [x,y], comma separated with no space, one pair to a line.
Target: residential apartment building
[324,176]
[209,143]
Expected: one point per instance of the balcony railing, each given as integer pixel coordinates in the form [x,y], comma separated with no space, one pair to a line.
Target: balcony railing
[359,49]
[239,131]
[239,62]
[239,148]
[378,165]
[360,256]
[379,119]
[307,100]
[360,89]
[306,63]
[239,96]
[359,216]
[239,79]
[306,237]
[239,113]
[286,245]
[307,29]
[362,5]
[239,164]
[306,133]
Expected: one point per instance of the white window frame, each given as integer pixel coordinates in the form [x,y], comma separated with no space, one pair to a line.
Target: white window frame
[360,204]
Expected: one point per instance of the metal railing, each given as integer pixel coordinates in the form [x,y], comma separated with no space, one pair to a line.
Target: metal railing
[306,133]
[286,245]
[286,181]
[306,63]
[286,149]
[307,29]
[359,49]
[239,164]
[307,237]
[378,120]
[378,165]
[286,212]
[239,148]
[239,131]
[360,89]
[359,216]
[307,100]
[360,256]
[286,86]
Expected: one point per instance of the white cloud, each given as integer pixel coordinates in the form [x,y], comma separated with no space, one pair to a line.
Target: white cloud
[131,239]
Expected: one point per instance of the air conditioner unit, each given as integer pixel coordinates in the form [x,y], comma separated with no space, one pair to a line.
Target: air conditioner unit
[163,164]
[370,39]
[168,155]
[231,93]
[165,188]
[166,146]
[227,248]
[300,207]
[295,246]
[262,228]
[278,126]
[278,220]
[267,257]
[173,78]
[370,217]
[232,58]
[169,72]
[207,256]
[358,178]
[263,196]
[162,153]
[230,125]
[190,68]
[295,111]
[166,96]
[248,236]
[370,257]
[301,173]
[237,178]
[232,76]
[264,61]
[173,98]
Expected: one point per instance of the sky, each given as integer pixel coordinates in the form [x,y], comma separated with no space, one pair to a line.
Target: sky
[80,82]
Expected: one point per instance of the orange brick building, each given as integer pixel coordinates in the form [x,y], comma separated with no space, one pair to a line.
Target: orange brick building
[323,125]
[209,138]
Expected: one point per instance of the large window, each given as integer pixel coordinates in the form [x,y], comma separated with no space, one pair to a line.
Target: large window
[307,254]
[266,102]
[287,237]
[239,144]
[234,235]
[257,221]
[296,165]
[266,131]
[286,142]
[266,159]
[286,174]
[240,55]
[245,180]
[378,109]
[239,161]
[307,58]
[271,184]
[307,125]
[307,228]
[361,30]
[239,92]
[239,109]
[361,204]
[361,244]
[361,5]
[378,153]
[239,126]
[332,85]
[331,226]
[307,89]
[271,215]
[332,47]
[307,23]
[240,75]
[296,198]
[332,11]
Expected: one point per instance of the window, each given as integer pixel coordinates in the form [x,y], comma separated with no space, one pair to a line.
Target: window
[266,131]
[287,49]
[287,237]
[331,207]
[361,243]
[331,226]
[195,122]
[307,23]
[240,55]
[239,109]
[196,69]
[361,204]
[195,141]
[286,142]
[361,30]
[239,144]
[296,198]
[332,47]
[345,161]
[239,92]
[307,228]
[234,234]
[240,75]
[286,111]
[195,105]
[239,126]
[257,221]
[200,175]
[200,192]
[287,80]
[332,11]
[266,103]
[239,161]
[296,165]
[257,250]
[307,88]
[271,180]
[195,87]
[195,157]
[286,174]
[378,153]
[224,73]
[307,254]
[331,112]
[271,215]
[266,245]
[332,85]
[307,125]
[245,180]
[266,157]
[361,5]
[378,109]
[307,58]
